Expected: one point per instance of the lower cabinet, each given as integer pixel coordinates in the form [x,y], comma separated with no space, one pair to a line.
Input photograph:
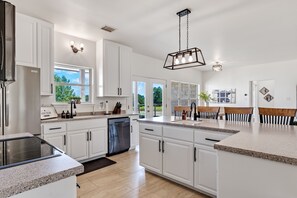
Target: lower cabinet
[86,144]
[58,140]
[178,160]
[98,142]
[134,136]
[77,144]
[150,152]
[205,168]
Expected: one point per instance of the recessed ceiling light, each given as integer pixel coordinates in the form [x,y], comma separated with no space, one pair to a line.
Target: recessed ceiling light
[108,28]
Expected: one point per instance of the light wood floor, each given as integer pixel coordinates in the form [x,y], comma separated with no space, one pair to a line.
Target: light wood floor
[126,179]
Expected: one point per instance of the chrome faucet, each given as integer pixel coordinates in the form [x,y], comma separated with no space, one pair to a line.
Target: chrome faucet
[195,116]
[72,106]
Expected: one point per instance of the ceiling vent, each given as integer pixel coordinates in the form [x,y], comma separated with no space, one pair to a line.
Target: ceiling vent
[108,29]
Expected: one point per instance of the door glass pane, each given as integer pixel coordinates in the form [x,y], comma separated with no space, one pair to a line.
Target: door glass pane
[173,104]
[141,99]
[158,99]
[184,91]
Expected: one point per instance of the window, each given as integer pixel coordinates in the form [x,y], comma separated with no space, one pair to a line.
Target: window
[224,96]
[72,82]
[183,94]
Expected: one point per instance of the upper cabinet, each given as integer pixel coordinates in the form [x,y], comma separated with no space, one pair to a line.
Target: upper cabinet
[35,48]
[113,69]
[26,40]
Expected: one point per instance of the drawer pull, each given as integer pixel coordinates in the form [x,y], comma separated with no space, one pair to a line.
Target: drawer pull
[149,129]
[213,140]
[55,128]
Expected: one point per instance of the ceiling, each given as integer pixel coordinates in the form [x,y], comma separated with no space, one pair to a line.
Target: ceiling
[235,32]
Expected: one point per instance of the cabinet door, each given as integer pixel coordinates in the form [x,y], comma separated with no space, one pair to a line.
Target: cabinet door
[205,168]
[58,140]
[134,134]
[98,142]
[77,144]
[46,56]
[178,160]
[111,67]
[26,40]
[125,70]
[150,152]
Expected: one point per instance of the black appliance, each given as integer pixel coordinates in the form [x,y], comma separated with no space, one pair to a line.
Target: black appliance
[118,135]
[7,43]
[18,151]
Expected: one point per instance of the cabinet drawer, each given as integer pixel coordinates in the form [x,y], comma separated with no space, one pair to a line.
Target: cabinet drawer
[54,128]
[86,124]
[151,129]
[209,137]
[179,133]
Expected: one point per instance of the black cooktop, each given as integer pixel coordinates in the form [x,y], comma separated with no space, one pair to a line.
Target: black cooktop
[18,151]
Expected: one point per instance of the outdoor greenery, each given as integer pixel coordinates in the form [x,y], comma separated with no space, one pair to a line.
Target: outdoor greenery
[63,93]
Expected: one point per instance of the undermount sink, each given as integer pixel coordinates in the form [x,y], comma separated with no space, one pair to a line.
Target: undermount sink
[187,122]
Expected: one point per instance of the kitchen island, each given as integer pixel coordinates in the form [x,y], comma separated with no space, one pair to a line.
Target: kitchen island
[254,160]
[53,177]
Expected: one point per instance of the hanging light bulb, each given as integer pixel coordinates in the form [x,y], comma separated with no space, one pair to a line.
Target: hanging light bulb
[190,57]
[183,60]
[176,59]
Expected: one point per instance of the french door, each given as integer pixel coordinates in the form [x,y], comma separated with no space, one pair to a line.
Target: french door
[149,97]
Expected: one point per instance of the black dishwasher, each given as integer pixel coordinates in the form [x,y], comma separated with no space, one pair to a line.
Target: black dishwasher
[118,135]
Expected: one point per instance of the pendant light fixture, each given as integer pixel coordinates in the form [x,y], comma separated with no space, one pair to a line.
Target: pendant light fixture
[189,57]
[217,67]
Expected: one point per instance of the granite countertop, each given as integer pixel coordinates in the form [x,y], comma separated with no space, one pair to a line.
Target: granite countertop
[87,117]
[266,141]
[25,177]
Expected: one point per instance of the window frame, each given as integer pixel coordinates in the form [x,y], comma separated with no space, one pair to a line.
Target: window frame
[81,84]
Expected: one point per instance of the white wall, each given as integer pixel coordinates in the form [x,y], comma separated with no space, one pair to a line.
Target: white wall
[283,73]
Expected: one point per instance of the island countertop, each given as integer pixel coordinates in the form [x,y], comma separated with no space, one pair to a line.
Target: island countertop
[25,177]
[266,141]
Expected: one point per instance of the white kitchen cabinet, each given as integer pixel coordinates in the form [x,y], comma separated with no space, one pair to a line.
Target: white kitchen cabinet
[150,152]
[58,140]
[26,40]
[97,142]
[46,56]
[78,144]
[35,48]
[178,160]
[125,70]
[113,69]
[205,167]
[134,137]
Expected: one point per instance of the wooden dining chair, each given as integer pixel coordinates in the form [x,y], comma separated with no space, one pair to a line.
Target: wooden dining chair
[277,116]
[178,110]
[208,112]
[242,114]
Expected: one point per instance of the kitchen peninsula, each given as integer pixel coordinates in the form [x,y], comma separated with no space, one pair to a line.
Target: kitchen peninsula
[250,160]
[52,177]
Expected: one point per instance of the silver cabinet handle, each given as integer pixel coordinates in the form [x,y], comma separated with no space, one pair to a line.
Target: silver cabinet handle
[131,129]
[64,140]
[90,135]
[163,148]
[149,129]
[87,136]
[195,150]
[159,145]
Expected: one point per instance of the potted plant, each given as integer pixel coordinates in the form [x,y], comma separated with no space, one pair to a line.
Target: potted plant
[205,96]
[76,99]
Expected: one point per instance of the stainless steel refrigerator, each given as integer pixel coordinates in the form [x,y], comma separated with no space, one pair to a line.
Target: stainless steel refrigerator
[20,86]
[21,102]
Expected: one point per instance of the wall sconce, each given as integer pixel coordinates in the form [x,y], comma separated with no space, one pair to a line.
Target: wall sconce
[75,49]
